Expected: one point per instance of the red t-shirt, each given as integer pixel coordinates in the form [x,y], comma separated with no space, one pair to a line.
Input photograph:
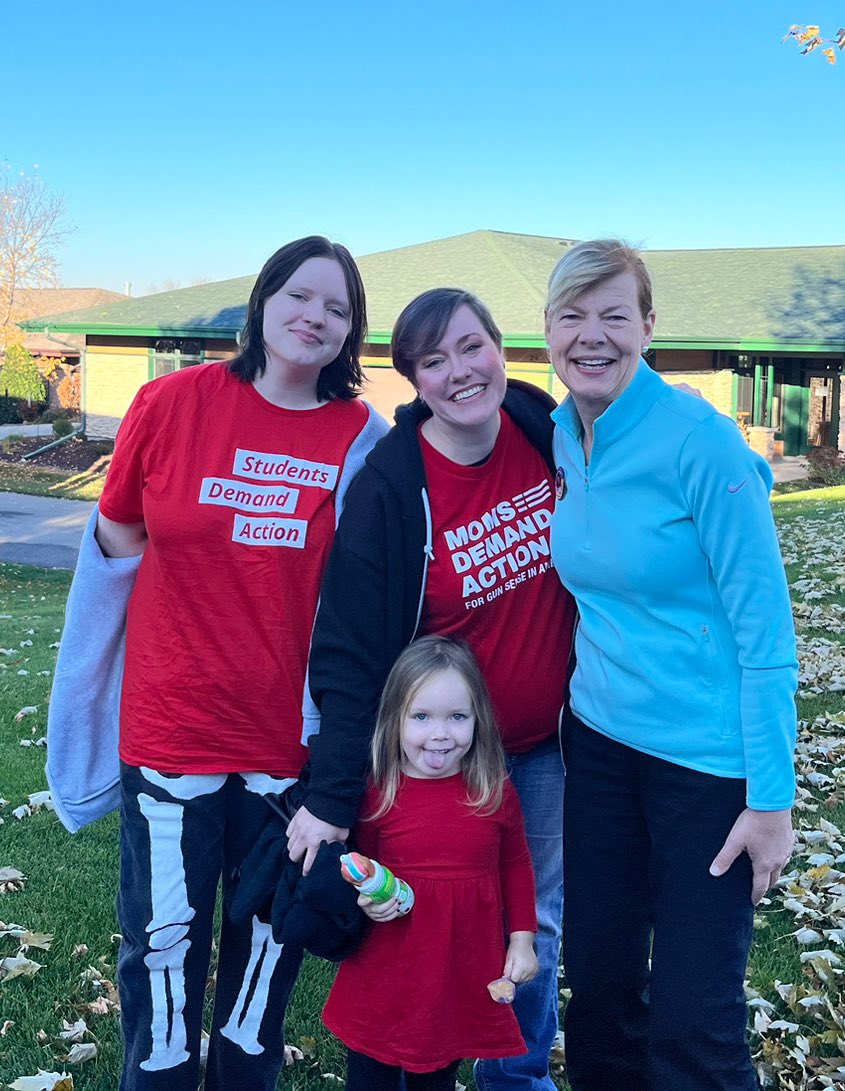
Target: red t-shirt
[492,582]
[237,496]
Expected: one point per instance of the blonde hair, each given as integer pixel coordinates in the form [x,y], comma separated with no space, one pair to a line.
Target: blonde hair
[483,765]
[588,264]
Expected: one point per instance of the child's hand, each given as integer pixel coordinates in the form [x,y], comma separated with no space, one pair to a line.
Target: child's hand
[520,963]
[379,911]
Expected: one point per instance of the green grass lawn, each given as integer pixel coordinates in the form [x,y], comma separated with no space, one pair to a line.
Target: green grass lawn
[71,881]
[47,481]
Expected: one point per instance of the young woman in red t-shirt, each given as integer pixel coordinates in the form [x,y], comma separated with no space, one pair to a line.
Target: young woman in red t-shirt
[413,999]
[228,480]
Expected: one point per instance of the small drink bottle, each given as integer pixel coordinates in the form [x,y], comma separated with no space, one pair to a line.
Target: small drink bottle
[375,880]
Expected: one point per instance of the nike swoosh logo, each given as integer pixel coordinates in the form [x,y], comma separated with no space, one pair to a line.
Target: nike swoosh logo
[736,488]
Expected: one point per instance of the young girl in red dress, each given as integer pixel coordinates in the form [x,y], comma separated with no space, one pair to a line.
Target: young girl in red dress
[441,815]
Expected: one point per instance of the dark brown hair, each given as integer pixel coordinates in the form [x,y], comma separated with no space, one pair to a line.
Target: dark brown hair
[342,378]
[421,325]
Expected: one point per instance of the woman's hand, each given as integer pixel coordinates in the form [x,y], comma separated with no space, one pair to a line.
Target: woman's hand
[306,832]
[520,963]
[120,539]
[768,839]
[380,911]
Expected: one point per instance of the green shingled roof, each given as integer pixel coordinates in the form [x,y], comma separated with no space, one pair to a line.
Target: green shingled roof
[720,298]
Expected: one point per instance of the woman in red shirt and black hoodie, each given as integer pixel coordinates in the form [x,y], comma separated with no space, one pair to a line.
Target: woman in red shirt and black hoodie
[445,531]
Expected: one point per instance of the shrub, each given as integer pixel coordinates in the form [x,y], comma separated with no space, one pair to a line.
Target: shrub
[68,391]
[826,466]
[29,412]
[20,376]
[62,427]
[9,409]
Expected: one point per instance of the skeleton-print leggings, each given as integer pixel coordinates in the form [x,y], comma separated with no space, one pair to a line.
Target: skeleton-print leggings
[179,834]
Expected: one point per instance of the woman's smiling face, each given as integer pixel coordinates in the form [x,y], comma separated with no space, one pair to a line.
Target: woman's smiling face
[595,343]
[462,380]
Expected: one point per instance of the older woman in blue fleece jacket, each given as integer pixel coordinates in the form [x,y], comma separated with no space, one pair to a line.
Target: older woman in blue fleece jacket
[679,750]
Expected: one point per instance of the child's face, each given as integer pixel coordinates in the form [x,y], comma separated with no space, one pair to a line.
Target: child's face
[437,727]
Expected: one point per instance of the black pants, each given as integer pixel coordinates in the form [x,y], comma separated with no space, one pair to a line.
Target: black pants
[641,834]
[366,1074]
[178,835]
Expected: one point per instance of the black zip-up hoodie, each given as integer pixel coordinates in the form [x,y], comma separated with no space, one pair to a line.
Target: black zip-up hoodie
[372,597]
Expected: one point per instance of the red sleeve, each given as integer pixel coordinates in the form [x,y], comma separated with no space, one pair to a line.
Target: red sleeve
[123,493]
[515,871]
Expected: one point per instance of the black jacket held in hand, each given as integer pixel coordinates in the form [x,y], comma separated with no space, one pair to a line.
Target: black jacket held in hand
[372,596]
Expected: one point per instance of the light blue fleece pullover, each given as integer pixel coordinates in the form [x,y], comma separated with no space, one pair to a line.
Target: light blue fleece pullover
[686,646]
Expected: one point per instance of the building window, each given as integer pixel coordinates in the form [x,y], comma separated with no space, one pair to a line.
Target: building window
[174,353]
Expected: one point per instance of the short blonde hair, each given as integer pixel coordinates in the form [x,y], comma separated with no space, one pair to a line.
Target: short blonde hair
[588,264]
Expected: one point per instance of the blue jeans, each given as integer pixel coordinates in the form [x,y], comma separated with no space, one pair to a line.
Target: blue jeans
[538,778]
[641,834]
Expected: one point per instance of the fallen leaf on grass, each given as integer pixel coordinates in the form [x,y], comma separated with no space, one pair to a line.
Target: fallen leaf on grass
[308,1045]
[100,982]
[43,1081]
[80,950]
[34,742]
[18,966]
[82,1052]
[27,710]
[42,940]
[11,880]
[292,1055]
[37,800]
[100,1006]
[73,1032]
[7,1026]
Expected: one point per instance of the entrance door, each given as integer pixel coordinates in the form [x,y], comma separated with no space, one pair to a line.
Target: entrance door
[823,391]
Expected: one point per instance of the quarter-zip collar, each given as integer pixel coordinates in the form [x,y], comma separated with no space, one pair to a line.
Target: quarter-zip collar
[621,416]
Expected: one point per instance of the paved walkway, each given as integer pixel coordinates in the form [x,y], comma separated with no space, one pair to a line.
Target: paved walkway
[790,468]
[41,530]
[43,431]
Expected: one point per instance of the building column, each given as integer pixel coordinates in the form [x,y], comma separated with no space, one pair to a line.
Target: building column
[841,439]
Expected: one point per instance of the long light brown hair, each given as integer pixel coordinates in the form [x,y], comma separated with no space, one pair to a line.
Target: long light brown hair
[483,765]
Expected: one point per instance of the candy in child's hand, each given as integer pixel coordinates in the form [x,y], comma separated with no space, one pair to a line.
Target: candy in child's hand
[502,990]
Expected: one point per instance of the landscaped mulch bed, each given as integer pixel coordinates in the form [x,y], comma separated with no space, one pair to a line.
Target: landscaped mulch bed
[74,455]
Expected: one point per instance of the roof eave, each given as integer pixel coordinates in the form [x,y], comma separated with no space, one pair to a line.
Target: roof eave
[122,330]
[751,345]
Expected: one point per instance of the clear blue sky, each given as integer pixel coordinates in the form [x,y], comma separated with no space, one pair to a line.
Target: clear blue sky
[191,140]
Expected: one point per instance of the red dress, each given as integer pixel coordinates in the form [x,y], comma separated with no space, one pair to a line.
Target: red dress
[415,993]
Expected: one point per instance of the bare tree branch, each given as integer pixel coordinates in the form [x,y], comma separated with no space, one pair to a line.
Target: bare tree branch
[33,225]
